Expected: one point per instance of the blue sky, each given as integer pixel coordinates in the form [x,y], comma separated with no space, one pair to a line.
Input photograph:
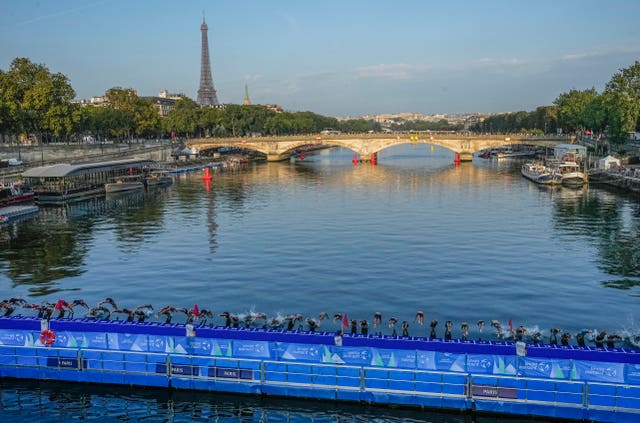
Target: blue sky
[336,58]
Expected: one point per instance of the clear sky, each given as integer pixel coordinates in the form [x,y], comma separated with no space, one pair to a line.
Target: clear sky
[333,57]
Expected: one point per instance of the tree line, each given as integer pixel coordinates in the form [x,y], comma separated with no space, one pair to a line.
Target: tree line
[614,112]
[34,102]
[37,103]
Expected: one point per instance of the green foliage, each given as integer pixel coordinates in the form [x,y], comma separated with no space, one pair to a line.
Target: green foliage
[35,101]
[622,97]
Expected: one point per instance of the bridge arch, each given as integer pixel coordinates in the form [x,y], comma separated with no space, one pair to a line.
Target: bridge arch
[280,148]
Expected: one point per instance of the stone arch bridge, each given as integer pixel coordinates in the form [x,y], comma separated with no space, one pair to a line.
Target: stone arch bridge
[365,145]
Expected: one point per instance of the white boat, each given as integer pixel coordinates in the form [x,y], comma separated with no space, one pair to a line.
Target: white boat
[570,172]
[540,173]
[125,183]
[158,178]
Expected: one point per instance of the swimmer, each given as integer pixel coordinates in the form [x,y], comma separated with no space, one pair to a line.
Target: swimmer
[480,327]
[405,329]
[464,328]
[580,337]
[564,339]
[99,313]
[448,325]
[354,327]
[496,324]
[419,317]
[337,317]
[377,319]
[600,339]
[611,339]
[166,311]
[521,331]
[7,307]
[312,324]
[537,337]
[109,301]
[292,319]
[128,312]
[433,325]
[392,324]
[553,338]
[364,327]
[75,303]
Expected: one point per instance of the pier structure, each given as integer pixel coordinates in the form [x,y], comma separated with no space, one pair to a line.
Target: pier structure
[595,384]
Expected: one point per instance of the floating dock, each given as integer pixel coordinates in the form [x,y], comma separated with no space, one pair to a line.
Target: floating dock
[12,213]
[598,384]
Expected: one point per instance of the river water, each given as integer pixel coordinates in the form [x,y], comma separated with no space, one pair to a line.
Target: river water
[461,243]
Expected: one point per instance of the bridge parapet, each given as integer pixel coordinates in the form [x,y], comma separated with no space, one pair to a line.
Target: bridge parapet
[279,148]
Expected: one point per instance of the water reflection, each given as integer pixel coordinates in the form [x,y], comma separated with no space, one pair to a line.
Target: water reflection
[55,245]
[55,402]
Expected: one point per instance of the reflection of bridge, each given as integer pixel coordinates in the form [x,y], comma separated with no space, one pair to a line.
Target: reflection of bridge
[280,148]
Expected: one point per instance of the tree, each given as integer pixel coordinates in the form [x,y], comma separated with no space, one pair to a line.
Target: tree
[622,97]
[572,108]
[37,100]
[183,118]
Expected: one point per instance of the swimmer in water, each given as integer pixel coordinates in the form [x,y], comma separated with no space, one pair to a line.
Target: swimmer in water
[600,339]
[433,325]
[354,327]
[464,328]
[553,338]
[448,325]
[564,339]
[419,317]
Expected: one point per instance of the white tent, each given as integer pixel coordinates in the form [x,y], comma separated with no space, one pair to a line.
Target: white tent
[608,163]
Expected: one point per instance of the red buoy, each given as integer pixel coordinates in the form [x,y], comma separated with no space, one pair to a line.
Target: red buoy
[374,158]
[206,176]
[355,160]
[302,155]
[457,159]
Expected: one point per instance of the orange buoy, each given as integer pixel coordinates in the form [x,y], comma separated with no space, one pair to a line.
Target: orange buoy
[47,337]
[457,159]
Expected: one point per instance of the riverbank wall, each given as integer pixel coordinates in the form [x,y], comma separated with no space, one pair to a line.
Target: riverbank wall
[569,382]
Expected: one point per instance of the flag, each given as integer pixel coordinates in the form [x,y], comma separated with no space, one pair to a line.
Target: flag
[196,311]
[510,325]
[345,320]
[58,305]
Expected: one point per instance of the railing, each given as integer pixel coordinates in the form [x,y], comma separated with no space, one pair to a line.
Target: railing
[329,381]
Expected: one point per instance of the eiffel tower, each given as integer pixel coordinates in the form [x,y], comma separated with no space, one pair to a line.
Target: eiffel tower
[206,93]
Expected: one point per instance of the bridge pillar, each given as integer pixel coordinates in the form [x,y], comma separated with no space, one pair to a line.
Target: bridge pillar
[278,157]
[466,157]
